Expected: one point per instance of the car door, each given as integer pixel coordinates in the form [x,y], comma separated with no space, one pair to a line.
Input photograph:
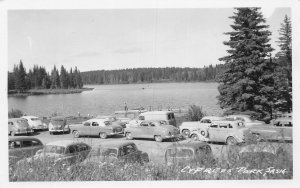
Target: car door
[94,128]
[71,155]
[85,129]
[15,151]
[145,130]
[288,130]
[30,147]
[130,154]
[213,132]
[223,132]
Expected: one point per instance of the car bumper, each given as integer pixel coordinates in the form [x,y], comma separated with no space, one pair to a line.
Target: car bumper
[117,133]
[24,131]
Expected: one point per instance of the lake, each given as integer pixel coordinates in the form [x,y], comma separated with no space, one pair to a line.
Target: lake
[105,99]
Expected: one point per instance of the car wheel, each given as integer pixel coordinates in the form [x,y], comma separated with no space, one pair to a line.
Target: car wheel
[129,136]
[195,137]
[186,133]
[204,133]
[76,134]
[158,138]
[103,135]
[231,141]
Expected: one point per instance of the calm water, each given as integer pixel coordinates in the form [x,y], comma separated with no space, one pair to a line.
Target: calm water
[105,99]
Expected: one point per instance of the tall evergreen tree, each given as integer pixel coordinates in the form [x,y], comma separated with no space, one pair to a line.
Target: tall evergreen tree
[63,78]
[284,70]
[54,78]
[20,77]
[247,82]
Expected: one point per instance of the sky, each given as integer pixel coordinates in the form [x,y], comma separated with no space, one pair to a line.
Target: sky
[124,38]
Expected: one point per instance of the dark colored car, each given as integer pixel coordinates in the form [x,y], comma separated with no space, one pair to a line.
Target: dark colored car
[117,151]
[190,152]
[22,147]
[64,152]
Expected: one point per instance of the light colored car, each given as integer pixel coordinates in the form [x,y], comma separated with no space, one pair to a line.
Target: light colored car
[185,153]
[248,120]
[187,127]
[280,129]
[35,123]
[18,126]
[152,129]
[122,122]
[167,116]
[22,147]
[58,124]
[96,127]
[230,132]
[63,152]
[117,151]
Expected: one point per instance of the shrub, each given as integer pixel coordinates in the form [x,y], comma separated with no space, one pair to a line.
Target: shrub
[15,113]
[195,113]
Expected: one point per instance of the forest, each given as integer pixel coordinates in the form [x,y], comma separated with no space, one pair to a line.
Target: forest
[149,75]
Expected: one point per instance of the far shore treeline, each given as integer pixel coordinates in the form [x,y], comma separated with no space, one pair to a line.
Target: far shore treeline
[38,78]
[149,75]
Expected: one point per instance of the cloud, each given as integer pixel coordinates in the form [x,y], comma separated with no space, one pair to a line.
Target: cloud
[127,50]
[87,54]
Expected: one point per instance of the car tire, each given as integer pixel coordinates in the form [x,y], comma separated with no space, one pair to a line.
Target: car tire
[128,136]
[231,141]
[103,135]
[186,133]
[76,134]
[195,137]
[158,138]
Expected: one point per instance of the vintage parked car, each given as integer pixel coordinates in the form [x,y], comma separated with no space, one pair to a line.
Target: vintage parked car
[18,126]
[96,127]
[64,152]
[230,132]
[35,123]
[115,120]
[167,116]
[190,152]
[248,120]
[264,153]
[187,127]
[58,124]
[152,129]
[22,147]
[281,129]
[117,151]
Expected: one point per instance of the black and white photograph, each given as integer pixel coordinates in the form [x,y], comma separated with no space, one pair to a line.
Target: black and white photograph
[152,93]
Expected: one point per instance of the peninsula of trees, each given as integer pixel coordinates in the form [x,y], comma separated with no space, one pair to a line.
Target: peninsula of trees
[38,81]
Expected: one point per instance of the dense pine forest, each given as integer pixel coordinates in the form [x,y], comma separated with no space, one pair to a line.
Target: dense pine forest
[38,78]
[148,75]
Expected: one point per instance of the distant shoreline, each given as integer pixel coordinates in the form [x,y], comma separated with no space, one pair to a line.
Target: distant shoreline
[47,92]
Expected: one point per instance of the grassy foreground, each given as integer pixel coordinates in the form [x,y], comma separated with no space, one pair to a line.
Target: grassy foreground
[236,168]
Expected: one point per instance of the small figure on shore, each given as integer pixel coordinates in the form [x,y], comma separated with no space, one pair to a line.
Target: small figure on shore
[125,107]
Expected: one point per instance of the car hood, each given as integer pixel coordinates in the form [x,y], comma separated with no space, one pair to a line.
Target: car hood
[36,123]
[22,125]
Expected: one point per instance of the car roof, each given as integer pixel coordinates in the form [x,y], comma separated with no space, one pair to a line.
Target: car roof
[19,138]
[192,145]
[115,144]
[213,117]
[239,115]
[64,143]
[29,117]
[15,119]
[97,120]
[58,117]
[157,112]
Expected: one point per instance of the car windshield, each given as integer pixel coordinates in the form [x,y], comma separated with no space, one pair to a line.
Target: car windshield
[35,119]
[108,151]
[21,121]
[58,121]
[180,153]
[107,123]
[54,149]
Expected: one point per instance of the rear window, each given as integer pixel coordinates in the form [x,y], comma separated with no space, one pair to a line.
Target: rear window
[184,153]
[108,151]
[171,116]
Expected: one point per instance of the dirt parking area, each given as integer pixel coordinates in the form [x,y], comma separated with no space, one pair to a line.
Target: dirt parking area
[154,149]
